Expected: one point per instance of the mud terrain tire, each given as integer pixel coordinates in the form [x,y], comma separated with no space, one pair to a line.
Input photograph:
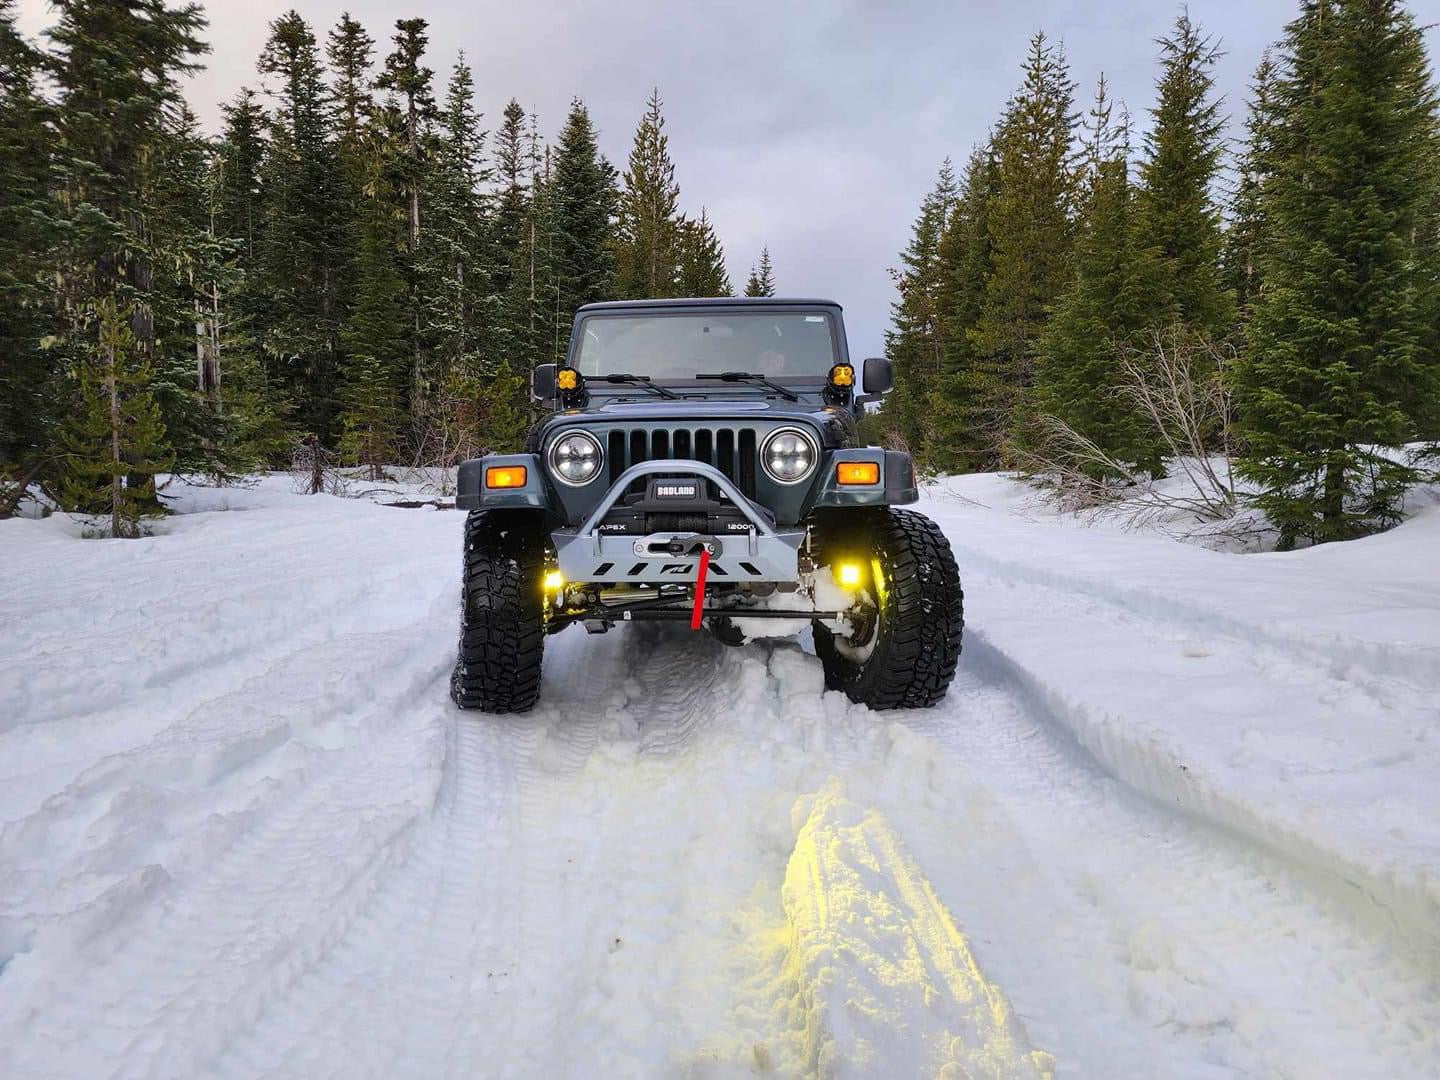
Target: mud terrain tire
[502,618]
[910,660]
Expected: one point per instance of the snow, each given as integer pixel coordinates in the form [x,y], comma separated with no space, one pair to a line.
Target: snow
[1179,816]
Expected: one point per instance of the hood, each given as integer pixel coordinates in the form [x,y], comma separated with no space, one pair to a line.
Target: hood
[833,422]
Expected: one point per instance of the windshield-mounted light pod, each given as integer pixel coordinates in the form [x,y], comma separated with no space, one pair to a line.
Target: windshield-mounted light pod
[567,379]
[575,458]
[788,455]
[842,376]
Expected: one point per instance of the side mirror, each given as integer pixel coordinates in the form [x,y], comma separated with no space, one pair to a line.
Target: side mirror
[876,377]
[542,382]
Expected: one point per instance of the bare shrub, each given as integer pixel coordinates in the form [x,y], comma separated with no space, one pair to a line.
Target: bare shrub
[1177,385]
[314,469]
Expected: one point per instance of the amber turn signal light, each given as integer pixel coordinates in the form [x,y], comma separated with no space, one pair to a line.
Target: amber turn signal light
[567,379]
[505,476]
[857,472]
[842,375]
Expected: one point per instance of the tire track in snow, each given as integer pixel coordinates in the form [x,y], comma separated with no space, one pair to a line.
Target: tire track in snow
[1401,898]
[64,724]
[1193,944]
[278,889]
[1339,657]
[442,931]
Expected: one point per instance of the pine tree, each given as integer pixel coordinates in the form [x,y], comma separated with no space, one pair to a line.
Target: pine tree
[114,441]
[350,50]
[1240,257]
[1183,151]
[964,253]
[532,299]
[1341,367]
[349,107]
[31,394]
[302,250]
[452,268]
[375,335]
[1031,235]
[509,243]
[702,260]
[255,404]
[116,69]
[762,277]
[406,77]
[647,235]
[914,342]
[185,306]
[505,418]
[238,162]
[1108,306]
[584,205]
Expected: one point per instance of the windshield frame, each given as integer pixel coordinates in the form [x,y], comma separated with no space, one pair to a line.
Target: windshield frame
[839,349]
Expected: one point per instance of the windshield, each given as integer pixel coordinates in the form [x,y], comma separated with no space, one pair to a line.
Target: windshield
[778,345]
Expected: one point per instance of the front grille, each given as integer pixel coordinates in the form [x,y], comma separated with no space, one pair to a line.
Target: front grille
[731,450]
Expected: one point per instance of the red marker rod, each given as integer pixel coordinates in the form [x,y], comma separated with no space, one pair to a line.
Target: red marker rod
[700,588]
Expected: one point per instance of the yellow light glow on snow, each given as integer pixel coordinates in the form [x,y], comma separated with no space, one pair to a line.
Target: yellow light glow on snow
[869,935]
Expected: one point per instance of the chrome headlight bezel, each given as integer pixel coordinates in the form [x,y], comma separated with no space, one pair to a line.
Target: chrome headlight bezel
[553,457]
[810,443]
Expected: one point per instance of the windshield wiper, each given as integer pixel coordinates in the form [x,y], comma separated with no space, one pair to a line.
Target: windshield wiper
[751,377]
[635,380]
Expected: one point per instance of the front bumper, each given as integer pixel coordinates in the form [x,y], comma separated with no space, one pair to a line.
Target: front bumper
[761,554]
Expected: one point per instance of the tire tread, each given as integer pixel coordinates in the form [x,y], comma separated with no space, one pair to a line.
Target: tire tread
[502,621]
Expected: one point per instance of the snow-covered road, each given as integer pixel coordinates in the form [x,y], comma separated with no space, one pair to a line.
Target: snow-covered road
[1151,832]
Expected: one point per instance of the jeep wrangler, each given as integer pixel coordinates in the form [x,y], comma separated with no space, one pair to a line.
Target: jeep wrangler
[698,461]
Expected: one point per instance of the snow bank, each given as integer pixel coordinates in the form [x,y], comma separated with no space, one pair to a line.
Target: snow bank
[1291,697]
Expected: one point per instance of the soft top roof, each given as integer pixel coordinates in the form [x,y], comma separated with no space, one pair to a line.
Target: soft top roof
[708,301]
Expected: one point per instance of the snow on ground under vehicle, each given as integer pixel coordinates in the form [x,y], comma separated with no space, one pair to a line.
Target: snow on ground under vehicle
[701,464]
[1179,816]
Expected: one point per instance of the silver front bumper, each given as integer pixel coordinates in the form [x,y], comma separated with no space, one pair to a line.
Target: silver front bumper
[761,554]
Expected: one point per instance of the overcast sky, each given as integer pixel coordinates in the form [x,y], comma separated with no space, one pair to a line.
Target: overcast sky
[815,128]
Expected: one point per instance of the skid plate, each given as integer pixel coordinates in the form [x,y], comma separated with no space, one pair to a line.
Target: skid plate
[638,560]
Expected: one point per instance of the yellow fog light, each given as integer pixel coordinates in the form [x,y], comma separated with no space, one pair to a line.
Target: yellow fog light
[554,580]
[842,375]
[505,476]
[858,472]
[848,574]
[567,379]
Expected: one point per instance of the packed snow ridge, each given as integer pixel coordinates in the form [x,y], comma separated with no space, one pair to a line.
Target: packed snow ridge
[1179,816]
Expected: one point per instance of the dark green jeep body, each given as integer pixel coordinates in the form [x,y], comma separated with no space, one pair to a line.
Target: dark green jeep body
[700,460]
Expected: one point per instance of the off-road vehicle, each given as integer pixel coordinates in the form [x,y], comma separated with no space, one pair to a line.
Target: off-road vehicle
[699,462]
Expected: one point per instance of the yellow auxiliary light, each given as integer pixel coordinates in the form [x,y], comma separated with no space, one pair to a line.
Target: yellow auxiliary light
[554,580]
[567,379]
[848,574]
[842,375]
[505,476]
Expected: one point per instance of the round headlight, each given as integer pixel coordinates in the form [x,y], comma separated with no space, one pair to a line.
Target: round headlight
[575,458]
[788,456]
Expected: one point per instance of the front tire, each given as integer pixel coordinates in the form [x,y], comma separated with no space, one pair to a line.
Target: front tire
[907,658]
[502,618]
